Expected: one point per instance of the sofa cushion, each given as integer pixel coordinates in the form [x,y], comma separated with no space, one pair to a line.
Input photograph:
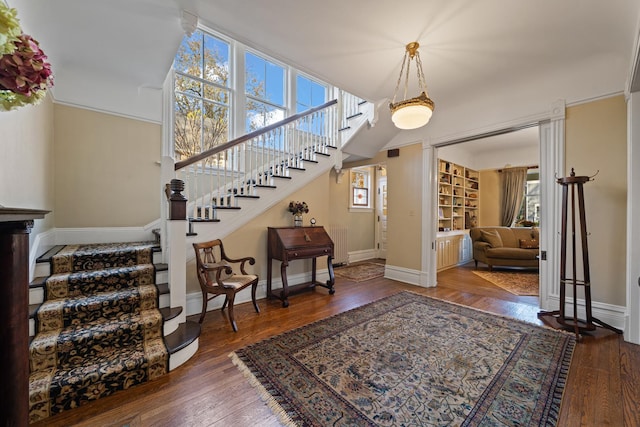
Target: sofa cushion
[529,244]
[511,253]
[492,238]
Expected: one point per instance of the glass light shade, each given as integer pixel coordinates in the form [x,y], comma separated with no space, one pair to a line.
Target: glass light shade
[411,116]
[412,113]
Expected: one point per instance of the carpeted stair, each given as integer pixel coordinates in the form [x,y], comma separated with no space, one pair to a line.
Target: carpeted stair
[99,329]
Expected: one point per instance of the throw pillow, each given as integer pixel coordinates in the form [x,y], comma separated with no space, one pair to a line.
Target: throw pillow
[535,233]
[492,238]
[529,244]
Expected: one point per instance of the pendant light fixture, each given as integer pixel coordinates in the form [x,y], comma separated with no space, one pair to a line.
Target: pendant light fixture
[414,112]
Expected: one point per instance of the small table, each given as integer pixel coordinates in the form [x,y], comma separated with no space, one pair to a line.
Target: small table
[292,243]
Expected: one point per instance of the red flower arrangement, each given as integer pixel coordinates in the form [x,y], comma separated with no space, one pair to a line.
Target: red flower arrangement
[26,70]
[25,73]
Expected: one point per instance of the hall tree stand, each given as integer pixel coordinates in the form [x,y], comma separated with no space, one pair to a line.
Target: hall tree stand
[573,322]
[15,226]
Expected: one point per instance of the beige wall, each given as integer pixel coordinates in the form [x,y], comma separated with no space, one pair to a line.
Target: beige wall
[106,173]
[404,219]
[26,161]
[596,142]
[251,239]
[404,197]
[489,212]
[360,223]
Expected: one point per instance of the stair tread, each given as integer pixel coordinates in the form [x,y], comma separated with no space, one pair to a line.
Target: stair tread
[203,220]
[186,333]
[103,272]
[163,288]
[46,257]
[169,313]
[123,322]
[38,282]
[226,207]
[126,355]
[103,307]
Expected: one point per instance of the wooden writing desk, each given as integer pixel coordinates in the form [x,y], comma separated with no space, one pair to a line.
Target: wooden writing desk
[291,243]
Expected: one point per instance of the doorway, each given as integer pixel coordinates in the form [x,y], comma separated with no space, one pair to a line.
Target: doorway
[484,157]
[381,212]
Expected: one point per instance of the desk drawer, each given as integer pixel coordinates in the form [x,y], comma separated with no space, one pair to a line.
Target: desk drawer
[308,252]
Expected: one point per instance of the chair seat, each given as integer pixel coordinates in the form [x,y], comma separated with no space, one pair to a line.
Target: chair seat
[238,280]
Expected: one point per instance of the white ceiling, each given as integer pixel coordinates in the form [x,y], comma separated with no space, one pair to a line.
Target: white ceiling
[486,62]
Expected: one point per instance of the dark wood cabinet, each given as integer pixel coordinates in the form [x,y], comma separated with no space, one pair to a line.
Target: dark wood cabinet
[293,243]
[15,226]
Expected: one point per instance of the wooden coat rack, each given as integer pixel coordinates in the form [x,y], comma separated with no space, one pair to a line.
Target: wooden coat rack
[573,322]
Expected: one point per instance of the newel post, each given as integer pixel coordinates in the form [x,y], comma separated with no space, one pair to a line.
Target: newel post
[177,259]
[177,201]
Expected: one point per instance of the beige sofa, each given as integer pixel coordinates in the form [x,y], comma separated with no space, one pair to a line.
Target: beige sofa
[505,246]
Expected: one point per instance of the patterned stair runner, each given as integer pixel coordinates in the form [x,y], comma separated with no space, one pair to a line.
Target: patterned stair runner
[99,329]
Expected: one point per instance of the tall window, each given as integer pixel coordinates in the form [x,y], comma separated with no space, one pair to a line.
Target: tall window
[210,103]
[309,94]
[529,214]
[265,92]
[202,94]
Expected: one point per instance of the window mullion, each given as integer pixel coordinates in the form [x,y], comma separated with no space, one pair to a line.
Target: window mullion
[239,101]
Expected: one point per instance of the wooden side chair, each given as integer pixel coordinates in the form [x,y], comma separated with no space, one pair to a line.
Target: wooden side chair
[217,277]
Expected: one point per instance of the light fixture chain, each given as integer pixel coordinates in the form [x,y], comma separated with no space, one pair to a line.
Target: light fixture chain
[395,93]
[421,80]
[406,78]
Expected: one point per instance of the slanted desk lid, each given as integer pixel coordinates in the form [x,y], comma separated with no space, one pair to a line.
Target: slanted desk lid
[293,237]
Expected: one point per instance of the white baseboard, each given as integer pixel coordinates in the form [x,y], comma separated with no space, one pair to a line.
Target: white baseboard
[363,255]
[65,236]
[613,315]
[406,275]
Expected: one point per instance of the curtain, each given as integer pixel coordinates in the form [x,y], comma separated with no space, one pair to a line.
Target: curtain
[512,181]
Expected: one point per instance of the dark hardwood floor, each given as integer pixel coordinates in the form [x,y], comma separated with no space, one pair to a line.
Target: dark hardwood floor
[603,388]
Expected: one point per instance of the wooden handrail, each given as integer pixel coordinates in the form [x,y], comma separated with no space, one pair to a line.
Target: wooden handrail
[222,147]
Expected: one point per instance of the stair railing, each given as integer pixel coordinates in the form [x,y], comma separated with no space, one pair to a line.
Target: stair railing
[219,177]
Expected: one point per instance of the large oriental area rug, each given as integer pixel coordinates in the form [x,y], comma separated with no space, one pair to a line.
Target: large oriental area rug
[515,282]
[410,360]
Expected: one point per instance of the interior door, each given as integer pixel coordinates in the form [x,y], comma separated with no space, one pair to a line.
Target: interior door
[381,212]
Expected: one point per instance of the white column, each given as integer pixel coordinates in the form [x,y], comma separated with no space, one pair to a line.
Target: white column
[428,276]
[551,167]
[632,318]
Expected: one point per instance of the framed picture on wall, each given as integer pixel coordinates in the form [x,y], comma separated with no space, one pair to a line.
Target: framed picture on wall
[361,197]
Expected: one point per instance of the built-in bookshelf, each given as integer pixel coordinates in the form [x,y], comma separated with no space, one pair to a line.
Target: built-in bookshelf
[458,196]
